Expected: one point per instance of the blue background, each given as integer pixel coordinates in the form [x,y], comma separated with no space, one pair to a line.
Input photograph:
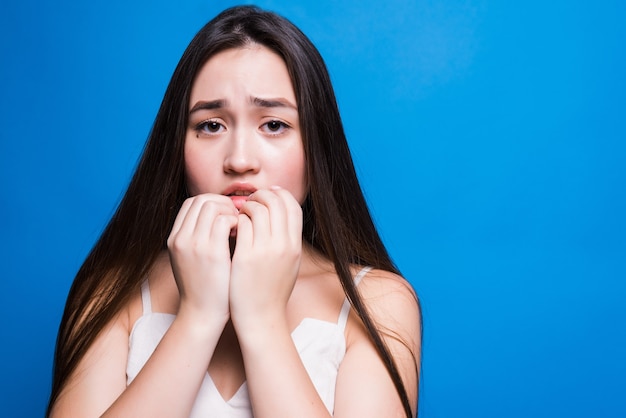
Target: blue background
[489,137]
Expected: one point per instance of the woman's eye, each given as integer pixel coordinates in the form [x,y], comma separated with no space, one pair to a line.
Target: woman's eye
[275,126]
[209,127]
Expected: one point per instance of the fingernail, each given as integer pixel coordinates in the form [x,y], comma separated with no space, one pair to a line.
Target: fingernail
[275,187]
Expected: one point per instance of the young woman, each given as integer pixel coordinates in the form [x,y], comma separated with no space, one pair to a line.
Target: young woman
[241,274]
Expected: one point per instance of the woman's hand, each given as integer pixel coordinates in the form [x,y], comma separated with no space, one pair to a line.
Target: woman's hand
[266,259]
[200,255]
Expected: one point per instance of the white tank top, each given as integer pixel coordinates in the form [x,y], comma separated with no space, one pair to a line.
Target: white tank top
[320,344]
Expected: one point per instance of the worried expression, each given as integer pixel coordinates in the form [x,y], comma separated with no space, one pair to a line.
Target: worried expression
[243,130]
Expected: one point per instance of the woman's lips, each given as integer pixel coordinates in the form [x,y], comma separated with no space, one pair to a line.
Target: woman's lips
[239,200]
[239,193]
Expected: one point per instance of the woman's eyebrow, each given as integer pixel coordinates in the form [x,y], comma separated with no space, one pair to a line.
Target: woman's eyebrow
[256,101]
[272,102]
[210,105]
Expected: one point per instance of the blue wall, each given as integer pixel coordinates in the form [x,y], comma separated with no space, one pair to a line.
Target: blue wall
[489,137]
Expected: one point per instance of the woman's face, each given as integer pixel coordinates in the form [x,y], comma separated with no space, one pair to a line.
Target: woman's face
[243,131]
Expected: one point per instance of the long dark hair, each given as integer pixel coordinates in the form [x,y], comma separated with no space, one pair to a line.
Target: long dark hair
[337,221]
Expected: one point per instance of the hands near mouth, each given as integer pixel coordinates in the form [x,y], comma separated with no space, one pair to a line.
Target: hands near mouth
[256,283]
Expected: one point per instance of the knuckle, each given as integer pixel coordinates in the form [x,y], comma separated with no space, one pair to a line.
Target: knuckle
[197,247]
[180,243]
[208,204]
[222,221]
[174,244]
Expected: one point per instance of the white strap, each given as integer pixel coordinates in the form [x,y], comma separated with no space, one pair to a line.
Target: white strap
[345,309]
[146,301]
[360,275]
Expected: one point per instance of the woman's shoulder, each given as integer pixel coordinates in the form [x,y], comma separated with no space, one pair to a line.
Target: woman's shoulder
[382,286]
[161,290]
[392,306]
[392,302]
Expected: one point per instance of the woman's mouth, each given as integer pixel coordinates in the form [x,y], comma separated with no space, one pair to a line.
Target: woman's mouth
[239,193]
[239,197]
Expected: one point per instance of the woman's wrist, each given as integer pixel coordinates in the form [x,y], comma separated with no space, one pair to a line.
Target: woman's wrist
[256,330]
[201,324]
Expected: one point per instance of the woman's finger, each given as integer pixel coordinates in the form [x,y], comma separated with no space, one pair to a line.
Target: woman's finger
[259,216]
[291,212]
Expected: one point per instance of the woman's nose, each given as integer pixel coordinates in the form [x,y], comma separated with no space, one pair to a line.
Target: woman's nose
[242,154]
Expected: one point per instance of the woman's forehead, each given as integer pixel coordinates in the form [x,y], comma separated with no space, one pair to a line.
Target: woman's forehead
[253,71]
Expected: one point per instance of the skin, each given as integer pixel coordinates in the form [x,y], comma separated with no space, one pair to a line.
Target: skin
[239,278]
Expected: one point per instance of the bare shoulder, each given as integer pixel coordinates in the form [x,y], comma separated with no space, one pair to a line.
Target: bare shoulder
[99,377]
[394,307]
[163,290]
[394,310]
[391,300]
[383,281]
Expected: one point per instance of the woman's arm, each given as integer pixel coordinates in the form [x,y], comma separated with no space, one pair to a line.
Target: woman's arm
[278,383]
[264,270]
[280,386]
[165,387]
[364,388]
[168,383]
